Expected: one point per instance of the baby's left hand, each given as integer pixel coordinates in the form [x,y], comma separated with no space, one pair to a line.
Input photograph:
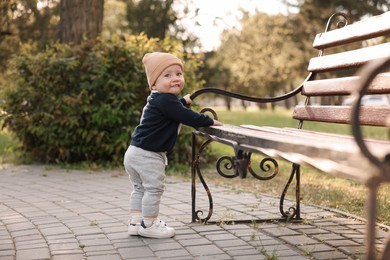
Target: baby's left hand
[188,99]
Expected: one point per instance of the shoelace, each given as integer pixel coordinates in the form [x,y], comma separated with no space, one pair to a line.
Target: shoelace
[160,223]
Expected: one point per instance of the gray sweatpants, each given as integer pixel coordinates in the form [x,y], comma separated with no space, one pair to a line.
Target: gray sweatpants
[147,173]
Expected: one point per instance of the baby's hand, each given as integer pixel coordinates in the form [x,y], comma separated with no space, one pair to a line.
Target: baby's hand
[217,123]
[188,99]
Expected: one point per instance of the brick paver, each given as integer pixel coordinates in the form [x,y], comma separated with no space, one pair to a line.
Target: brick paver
[52,213]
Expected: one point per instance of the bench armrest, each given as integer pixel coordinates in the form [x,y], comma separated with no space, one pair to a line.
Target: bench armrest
[250,98]
[367,74]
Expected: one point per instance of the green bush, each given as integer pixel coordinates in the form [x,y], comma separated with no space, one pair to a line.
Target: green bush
[81,103]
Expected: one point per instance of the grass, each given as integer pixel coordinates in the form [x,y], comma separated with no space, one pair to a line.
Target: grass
[317,188]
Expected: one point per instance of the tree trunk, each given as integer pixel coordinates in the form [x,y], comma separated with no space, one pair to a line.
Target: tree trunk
[243,104]
[80,20]
[228,102]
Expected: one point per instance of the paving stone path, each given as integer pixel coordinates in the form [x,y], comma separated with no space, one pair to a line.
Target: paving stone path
[52,213]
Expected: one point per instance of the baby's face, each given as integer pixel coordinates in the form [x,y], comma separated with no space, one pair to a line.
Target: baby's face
[171,80]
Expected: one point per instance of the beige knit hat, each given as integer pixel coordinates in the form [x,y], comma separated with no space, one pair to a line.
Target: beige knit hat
[156,62]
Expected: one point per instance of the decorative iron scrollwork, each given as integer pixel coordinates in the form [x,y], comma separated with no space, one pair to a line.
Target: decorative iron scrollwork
[344,21]
[339,24]
[234,166]
[238,164]
[265,167]
[292,212]
[228,163]
[195,171]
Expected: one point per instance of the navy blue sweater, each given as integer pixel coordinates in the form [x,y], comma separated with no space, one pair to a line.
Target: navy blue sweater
[158,128]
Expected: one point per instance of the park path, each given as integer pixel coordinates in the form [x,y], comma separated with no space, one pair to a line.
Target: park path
[52,213]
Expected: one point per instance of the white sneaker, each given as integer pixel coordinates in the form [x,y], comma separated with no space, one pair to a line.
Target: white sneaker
[157,230]
[133,229]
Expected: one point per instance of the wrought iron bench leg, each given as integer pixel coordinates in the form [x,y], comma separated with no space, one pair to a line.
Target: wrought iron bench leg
[193,178]
[292,213]
[386,249]
[195,171]
[371,219]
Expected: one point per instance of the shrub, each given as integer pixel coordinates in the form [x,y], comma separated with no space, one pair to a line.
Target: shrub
[81,103]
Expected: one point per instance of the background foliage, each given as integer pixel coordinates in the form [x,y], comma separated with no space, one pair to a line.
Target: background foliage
[81,103]
[71,104]
[267,55]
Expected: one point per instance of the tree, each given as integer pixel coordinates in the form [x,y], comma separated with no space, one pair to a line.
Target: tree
[269,54]
[80,19]
[115,21]
[159,19]
[24,21]
[314,14]
[216,74]
[153,17]
[262,56]
[318,10]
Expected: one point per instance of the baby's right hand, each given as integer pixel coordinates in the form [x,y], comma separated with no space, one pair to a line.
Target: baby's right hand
[188,99]
[217,123]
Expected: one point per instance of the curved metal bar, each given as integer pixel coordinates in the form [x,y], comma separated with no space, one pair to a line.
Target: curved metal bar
[265,167]
[249,98]
[204,220]
[292,93]
[311,75]
[339,24]
[292,212]
[367,74]
[386,250]
[196,171]
[207,109]
[229,165]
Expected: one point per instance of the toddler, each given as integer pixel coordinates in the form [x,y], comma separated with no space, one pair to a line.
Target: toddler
[156,134]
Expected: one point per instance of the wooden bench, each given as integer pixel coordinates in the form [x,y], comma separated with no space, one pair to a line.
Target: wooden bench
[365,160]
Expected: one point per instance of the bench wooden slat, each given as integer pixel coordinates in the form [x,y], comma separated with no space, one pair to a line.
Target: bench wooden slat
[380,147]
[344,86]
[370,28]
[374,116]
[349,59]
[303,147]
